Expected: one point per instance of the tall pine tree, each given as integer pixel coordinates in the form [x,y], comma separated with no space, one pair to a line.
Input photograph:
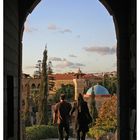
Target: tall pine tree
[51,79]
[42,107]
[92,108]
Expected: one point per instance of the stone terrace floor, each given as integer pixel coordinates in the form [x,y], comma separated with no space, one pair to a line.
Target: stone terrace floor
[69,139]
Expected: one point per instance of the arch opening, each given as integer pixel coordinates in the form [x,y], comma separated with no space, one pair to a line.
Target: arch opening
[54,27]
[124,15]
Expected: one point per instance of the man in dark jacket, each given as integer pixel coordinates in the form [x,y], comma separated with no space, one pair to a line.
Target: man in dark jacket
[62,117]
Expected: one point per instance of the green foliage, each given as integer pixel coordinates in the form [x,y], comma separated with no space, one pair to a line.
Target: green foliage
[38,132]
[68,90]
[107,119]
[26,113]
[110,83]
[92,109]
[51,79]
[42,104]
[95,132]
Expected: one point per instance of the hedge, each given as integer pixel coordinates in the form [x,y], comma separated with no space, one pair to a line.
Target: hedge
[38,132]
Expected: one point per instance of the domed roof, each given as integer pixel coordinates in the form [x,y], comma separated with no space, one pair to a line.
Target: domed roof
[97,90]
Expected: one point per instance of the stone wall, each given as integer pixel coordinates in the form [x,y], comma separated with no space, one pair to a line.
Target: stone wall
[132,98]
[11,70]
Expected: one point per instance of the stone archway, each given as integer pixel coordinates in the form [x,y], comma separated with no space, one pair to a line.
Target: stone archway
[124,15]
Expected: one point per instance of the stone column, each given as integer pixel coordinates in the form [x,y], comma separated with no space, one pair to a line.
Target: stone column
[79,85]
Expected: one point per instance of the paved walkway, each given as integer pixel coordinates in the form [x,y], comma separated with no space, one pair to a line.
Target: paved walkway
[69,139]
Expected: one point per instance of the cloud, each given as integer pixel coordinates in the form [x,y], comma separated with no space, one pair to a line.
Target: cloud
[79,64]
[52,27]
[101,50]
[78,36]
[64,59]
[55,59]
[28,28]
[64,64]
[65,31]
[71,55]
[68,64]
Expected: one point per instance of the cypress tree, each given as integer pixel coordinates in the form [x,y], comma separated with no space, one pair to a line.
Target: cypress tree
[92,109]
[51,79]
[42,107]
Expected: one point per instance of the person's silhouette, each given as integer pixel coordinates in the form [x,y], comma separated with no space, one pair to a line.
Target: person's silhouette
[62,117]
[82,117]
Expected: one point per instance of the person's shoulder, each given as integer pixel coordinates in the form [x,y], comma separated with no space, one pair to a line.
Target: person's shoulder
[57,104]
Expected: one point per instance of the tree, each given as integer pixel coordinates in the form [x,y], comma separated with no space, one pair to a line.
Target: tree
[107,119]
[68,90]
[27,107]
[37,73]
[51,79]
[42,107]
[92,109]
[110,83]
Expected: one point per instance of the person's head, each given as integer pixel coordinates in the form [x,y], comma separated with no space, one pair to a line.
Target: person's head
[62,97]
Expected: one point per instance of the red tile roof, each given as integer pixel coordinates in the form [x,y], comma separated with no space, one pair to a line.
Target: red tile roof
[71,76]
[63,76]
[90,76]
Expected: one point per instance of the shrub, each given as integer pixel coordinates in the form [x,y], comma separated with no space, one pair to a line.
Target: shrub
[38,132]
[107,119]
[96,133]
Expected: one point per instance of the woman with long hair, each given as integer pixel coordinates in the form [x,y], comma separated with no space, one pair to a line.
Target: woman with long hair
[82,117]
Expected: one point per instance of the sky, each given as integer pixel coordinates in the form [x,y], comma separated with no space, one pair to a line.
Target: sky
[77,33]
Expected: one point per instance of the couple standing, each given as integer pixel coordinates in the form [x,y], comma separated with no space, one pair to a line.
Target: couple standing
[62,112]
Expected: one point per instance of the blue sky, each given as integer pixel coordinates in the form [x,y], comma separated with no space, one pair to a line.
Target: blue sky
[78,34]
